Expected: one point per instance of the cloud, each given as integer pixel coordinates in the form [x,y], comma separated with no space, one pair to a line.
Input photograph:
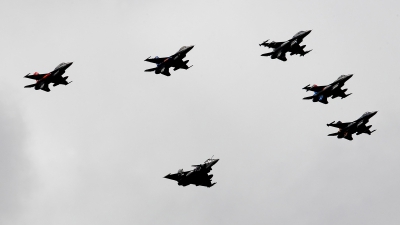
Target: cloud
[14,182]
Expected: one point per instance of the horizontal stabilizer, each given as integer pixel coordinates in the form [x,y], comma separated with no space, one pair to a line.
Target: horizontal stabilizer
[349,137]
[165,71]
[346,95]
[306,52]
[306,87]
[29,86]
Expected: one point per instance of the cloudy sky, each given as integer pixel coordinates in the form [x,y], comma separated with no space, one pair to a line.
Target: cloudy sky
[95,151]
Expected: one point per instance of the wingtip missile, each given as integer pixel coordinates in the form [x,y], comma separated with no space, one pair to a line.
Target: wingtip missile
[267,54]
[330,124]
[151,69]
[309,97]
[264,43]
[307,87]
[29,86]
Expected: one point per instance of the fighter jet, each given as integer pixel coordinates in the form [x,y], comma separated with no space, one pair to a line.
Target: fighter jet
[55,77]
[198,176]
[321,93]
[175,60]
[292,45]
[358,126]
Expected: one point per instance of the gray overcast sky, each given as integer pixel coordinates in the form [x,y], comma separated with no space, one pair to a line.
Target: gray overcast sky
[95,152]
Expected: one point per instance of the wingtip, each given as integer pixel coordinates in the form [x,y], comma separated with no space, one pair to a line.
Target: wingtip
[212,184]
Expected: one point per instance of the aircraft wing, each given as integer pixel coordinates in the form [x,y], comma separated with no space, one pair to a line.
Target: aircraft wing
[156,60]
[339,125]
[274,44]
[176,176]
[203,180]
[35,77]
[317,88]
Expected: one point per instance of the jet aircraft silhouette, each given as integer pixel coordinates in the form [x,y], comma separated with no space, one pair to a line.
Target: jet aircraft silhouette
[175,60]
[292,45]
[321,93]
[55,77]
[358,126]
[198,176]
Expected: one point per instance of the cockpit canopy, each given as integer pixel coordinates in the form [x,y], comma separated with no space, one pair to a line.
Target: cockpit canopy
[183,48]
[61,65]
[341,77]
[365,114]
[298,34]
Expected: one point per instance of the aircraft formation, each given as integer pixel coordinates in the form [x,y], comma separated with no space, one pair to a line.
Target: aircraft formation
[200,176]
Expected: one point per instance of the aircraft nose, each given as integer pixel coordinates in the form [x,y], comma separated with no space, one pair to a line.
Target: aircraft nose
[69,64]
[373,113]
[308,32]
[215,161]
[348,76]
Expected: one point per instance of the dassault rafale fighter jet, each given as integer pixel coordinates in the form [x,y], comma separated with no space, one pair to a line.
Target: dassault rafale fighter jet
[55,77]
[197,176]
[292,45]
[358,126]
[321,93]
[175,60]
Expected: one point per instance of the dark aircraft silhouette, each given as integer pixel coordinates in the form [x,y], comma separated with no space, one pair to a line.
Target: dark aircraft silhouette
[321,93]
[175,60]
[358,126]
[292,45]
[197,176]
[55,77]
